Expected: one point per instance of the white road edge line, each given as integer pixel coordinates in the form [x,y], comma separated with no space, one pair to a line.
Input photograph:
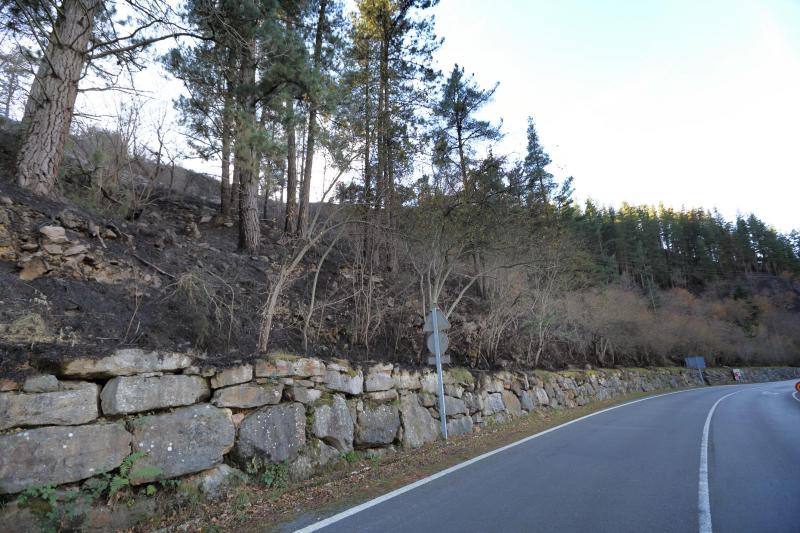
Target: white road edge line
[402,490]
[703,495]
[794,395]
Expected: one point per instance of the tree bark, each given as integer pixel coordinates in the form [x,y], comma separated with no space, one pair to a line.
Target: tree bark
[249,230]
[51,102]
[225,175]
[305,191]
[291,169]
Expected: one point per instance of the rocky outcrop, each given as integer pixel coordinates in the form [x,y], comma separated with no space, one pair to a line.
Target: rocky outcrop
[73,406]
[134,394]
[275,434]
[56,455]
[187,440]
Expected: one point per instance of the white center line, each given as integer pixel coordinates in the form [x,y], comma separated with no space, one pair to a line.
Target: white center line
[703,496]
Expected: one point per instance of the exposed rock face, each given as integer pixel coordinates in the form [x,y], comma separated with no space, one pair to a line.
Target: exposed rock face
[248,395]
[232,376]
[59,408]
[512,403]
[377,425]
[55,455]
[302,367]
[459,426]
[189,439]
[379,378]
[349,383]
[334,424]
[274,433]
[133,394]
[419,427]
[126,362]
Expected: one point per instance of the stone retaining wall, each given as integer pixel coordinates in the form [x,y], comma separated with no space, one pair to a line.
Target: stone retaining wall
[177,417]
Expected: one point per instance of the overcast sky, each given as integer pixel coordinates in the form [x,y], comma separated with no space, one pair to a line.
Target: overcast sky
[686,102]
[693,103]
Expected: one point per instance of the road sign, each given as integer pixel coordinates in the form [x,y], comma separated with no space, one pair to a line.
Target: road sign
[445,360]
[797,386]
[695,362]
[444,342]
[441,320]
[737,374]
[435,323]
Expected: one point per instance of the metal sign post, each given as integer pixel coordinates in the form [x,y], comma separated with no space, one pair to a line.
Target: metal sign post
[434,324]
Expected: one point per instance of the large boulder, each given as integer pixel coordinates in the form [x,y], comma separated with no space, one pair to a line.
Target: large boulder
[526,400]
[126,362]
[377,425]
[232,376]
[348,382]
[273,433]
[248,395]
[541,396]
[453,406]
[512,403]
[134,394]
[333,424]
[492,403]
[56,455]
[419,427]
[461,425]
[60,408]
[187,440]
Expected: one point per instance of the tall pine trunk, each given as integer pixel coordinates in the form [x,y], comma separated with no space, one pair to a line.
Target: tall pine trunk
[291,168]
[249,230]
[225,174]
[302,214]
[51,103]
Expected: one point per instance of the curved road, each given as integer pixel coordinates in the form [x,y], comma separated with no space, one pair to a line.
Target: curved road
[637,467]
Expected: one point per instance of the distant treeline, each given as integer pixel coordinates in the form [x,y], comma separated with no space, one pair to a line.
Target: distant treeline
[667,248]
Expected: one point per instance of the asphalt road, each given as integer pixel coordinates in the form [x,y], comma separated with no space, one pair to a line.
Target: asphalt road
[634,468]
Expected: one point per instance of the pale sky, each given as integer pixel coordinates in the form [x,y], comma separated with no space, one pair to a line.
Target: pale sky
[691,103]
